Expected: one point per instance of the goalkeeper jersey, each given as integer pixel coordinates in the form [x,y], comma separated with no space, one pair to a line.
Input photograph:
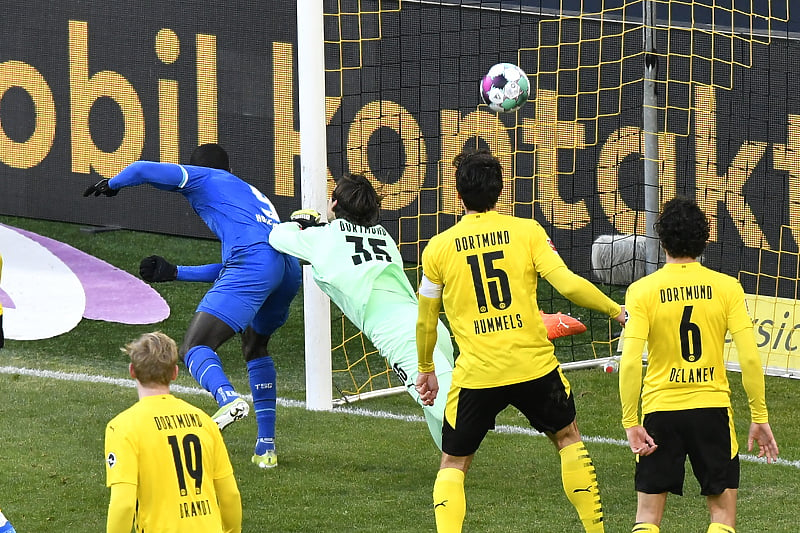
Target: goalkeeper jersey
[489,265]
[683,311]
[360,267]
[237,213]
[172,451]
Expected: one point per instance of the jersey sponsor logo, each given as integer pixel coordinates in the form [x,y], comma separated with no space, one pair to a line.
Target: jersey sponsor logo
[111,460]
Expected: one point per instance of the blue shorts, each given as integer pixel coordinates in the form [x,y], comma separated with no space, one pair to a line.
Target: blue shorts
[254,288]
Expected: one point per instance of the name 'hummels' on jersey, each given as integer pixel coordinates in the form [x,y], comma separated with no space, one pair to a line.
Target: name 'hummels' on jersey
[498,323]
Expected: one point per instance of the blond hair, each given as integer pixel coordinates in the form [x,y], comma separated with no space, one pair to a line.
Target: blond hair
[153,356]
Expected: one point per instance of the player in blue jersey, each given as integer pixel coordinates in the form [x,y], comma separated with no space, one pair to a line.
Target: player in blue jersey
[357,264]
[253,285]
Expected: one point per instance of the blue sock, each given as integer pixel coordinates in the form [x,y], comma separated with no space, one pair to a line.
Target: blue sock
[206,368]
[262,385]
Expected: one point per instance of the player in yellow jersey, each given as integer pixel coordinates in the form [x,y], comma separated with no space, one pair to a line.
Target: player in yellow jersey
[166,462]
[683,311]
[485,270]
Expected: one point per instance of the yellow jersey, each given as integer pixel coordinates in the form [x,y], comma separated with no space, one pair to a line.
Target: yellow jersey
[489,265]
[683,311]
[172,452]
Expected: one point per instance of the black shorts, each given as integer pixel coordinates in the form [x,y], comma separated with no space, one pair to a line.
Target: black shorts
[704,435]
[546,402]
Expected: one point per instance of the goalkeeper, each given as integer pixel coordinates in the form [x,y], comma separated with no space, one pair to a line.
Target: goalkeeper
[253,285]
[357,264]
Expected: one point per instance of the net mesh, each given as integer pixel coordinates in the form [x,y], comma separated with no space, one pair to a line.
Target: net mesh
[402,101]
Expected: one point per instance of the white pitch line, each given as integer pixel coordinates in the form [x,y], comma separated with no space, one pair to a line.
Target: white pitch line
[283,402]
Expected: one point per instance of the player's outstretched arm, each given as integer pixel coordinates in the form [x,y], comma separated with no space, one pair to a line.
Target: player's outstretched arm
[155,269]
[101,187]
[583,292]
[307,218]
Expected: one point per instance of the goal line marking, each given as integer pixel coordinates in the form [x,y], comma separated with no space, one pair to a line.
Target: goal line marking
[359,411]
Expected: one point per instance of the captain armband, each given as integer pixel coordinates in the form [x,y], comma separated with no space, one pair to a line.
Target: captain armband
[429,289]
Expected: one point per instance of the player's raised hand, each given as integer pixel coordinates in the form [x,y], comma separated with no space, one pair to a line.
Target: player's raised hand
[156,268]
[307,218]
[101,187]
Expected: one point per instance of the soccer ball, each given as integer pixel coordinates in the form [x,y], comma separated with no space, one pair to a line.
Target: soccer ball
[505,88]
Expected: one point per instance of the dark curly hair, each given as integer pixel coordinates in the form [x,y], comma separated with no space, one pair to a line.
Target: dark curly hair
[479,179]
[683,228]
[356,200]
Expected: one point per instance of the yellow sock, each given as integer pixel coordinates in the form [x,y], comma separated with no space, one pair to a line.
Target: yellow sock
[580,485]
[643,527]
[449,501]
[716,527]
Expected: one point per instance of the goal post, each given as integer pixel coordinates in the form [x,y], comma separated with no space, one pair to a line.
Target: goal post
[313,173]
[631,103]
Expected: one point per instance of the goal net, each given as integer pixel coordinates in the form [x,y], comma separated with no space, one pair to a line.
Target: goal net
[631,103]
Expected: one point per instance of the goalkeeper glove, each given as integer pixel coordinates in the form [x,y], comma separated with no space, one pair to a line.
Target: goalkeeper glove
[156,268]
[307,218]
[101,187]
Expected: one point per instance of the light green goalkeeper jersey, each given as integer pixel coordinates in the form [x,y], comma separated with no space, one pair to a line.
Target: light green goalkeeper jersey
[361,271]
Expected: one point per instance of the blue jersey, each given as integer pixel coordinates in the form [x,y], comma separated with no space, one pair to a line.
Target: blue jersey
[238,213]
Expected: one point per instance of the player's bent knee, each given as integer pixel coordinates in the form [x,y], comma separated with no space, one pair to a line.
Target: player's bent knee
[254,345]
